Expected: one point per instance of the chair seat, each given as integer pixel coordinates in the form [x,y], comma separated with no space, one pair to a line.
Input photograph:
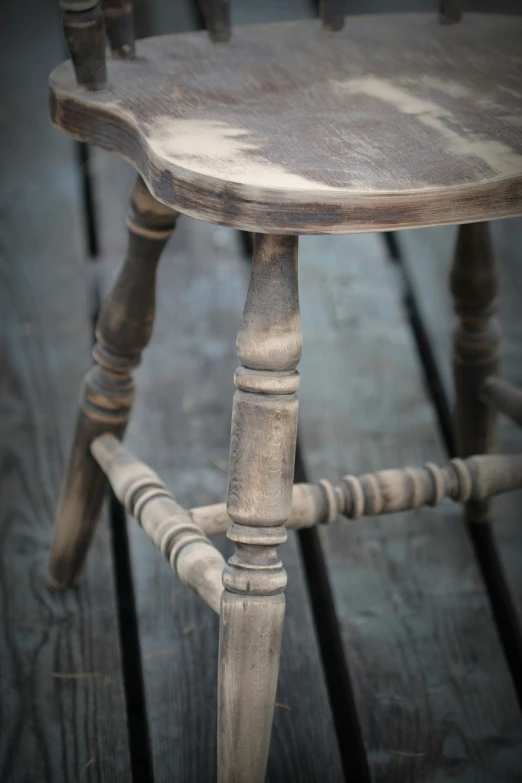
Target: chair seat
[396,121]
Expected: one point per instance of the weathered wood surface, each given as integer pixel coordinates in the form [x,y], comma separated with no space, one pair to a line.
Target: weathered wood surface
[84,31]
[387,491]
[476,346]
[259,501]
[414,123]
[195,560]
[119,24]
[505,397]
[62,711]
[74,627]
[123,329]
[427,256]
[181,427]
[433,692]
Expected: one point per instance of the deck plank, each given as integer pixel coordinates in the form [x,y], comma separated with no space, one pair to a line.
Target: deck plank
[62,711]
[181,426]
[427,256]
[434,695]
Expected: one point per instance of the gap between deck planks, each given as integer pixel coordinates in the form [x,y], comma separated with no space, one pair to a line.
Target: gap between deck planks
[62,711]
[181,427]
[427,256]
[433,691]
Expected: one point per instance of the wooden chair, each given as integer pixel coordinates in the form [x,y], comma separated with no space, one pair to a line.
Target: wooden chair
[387,122]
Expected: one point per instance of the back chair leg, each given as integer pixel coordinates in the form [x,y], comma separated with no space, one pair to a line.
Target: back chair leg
[123,330]
[263,439]
[475,346]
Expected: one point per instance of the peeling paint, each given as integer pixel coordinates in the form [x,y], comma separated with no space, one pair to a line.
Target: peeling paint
[500,158]
[220,150]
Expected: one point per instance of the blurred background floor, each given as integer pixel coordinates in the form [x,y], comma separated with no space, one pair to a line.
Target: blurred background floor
[402,651]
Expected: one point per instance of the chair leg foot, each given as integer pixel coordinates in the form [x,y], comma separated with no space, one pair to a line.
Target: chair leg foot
[250,635]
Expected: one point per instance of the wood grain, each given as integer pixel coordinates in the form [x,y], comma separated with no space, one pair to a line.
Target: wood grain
[62,710]
[476,346]
[190,554]
[181,427]
[388,491]
[427,256]
[395,121]
[84,30]
[259,499]
[123,329]
[433,692]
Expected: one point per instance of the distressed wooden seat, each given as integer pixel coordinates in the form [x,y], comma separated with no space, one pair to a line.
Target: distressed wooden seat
[394,121]
[285,130]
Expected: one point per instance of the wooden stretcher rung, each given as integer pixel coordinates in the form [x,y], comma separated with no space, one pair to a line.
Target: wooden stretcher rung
[191,555]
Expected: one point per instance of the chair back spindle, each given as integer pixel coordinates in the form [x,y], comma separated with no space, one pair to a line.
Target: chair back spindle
[119,22]
[332,14]
[85,23]
[216,14]
[84,28]
[450,11]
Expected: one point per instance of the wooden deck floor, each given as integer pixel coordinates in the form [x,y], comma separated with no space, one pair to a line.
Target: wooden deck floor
[402,652]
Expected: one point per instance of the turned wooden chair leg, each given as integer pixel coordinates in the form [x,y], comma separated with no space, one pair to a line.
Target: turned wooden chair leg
[263,439]
[122,331]
[475,346]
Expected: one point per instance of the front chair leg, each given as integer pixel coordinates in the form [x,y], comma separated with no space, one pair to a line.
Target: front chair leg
[475,346]
[122,331]
[262,453]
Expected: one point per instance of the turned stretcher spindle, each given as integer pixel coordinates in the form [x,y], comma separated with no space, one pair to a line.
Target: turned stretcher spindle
[387,492]
[196,561]
[308,506]
[181,535]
